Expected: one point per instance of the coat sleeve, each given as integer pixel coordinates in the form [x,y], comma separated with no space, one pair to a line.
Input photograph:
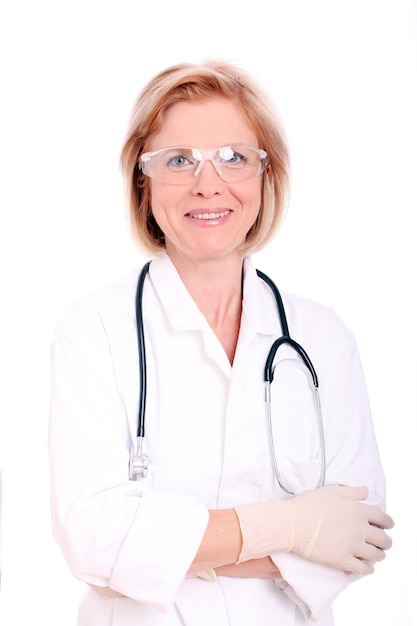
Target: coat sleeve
[112,531]
[352,458]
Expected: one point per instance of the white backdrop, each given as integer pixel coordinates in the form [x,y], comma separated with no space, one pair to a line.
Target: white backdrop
[343,74]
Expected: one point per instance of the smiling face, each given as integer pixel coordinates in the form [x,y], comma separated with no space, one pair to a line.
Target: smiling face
[207,218]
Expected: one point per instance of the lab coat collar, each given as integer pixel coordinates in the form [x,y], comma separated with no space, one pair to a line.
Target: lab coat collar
[181,309]
[258,303]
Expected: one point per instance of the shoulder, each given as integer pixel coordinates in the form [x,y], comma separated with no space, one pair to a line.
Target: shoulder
[308,320]
[106,304]
[321,331]
[304,312]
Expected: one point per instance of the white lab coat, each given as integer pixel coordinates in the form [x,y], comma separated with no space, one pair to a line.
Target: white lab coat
[206,436]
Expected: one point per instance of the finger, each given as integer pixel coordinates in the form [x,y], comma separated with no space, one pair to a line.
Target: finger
[377,517]
[371,554]
[378,538]
[358,566]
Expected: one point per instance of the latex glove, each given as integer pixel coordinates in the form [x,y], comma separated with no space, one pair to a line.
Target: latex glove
[328,526]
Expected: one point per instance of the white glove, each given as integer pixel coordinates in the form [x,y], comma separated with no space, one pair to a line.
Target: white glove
[328,526]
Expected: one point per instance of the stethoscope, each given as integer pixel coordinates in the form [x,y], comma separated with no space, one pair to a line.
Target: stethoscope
[139,460]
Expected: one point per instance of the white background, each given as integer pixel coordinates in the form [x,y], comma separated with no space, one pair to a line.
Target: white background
[343,75]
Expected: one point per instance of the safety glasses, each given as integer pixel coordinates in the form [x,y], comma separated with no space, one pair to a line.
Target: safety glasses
[179,165]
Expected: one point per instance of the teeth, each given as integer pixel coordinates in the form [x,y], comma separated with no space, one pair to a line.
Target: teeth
[208,216]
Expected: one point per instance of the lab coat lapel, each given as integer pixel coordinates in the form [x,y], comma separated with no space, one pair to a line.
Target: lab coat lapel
[259,314]
[259,307]
[181,309]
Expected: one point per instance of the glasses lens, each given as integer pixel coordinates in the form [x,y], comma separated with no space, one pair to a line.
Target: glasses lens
[240,162]
[172,165]
[179,165]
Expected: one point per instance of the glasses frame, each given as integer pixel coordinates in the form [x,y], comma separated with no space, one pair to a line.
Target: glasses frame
[201,156]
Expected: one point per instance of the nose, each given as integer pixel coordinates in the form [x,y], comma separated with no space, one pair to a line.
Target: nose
[206,179]
[209,154]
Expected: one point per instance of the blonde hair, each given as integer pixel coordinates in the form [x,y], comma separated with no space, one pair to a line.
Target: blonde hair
[193,83]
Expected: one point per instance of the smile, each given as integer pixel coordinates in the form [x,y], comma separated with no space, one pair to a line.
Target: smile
[209,216]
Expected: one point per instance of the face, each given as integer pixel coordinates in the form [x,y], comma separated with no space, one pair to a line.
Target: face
[207,218]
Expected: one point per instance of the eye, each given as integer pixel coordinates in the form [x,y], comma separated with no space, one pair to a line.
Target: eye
[231,156]
[180,161]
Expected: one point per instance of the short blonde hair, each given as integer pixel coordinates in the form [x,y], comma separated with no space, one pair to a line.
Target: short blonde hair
[194,83]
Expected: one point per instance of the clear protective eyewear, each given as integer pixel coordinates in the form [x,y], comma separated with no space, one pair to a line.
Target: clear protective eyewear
[178,165]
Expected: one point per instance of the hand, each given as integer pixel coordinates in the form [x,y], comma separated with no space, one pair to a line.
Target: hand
[331,527]
[328,526]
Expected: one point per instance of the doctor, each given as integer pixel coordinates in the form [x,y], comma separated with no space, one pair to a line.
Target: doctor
[209,536]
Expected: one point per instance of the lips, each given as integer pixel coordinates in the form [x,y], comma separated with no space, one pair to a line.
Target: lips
[214,215]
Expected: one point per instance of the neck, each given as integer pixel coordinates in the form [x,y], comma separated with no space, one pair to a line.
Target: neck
[216,287]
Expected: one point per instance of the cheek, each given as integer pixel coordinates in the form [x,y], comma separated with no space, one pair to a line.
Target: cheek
[159,200]
[154,193]
[164,196]
[251,194]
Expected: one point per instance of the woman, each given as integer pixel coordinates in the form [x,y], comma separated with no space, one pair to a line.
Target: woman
[209,535]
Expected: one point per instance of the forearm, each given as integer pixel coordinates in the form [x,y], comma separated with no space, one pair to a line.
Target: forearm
[221,547]
[326,525]
[221,544]
[330,526]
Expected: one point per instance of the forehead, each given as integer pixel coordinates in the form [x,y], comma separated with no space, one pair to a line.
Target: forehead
[204,124]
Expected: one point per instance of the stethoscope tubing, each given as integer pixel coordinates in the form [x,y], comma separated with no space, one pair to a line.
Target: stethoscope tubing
[141,351]
[285,339]
[141,459]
